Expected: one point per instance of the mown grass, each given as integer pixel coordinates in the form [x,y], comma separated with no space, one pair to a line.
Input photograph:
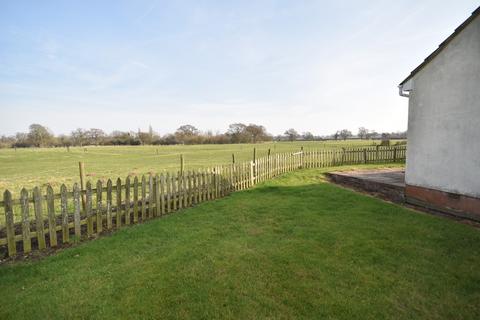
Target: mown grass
[295,247]
[41,166]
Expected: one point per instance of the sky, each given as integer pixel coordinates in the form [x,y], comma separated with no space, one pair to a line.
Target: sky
[316,66]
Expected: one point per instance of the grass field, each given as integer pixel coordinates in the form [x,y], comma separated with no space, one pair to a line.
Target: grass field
[294,247]
[38,167]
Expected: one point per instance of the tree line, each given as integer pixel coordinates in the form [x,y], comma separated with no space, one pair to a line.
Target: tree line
[344,134]
[40,136]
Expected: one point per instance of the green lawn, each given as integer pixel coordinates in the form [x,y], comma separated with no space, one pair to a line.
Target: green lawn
[38,167]
[295,247]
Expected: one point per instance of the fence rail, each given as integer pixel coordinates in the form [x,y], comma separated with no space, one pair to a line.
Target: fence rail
[49,220]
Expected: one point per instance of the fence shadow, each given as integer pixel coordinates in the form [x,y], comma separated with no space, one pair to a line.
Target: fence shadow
[37,220]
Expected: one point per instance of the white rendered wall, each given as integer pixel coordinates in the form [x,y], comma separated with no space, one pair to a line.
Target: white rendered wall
[444,118]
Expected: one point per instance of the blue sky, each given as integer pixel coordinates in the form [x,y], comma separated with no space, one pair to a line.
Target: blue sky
[315,66]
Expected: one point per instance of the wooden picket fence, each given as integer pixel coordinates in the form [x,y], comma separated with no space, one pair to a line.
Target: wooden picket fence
[50,220]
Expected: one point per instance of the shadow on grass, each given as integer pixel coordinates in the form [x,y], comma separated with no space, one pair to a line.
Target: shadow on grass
[295,247]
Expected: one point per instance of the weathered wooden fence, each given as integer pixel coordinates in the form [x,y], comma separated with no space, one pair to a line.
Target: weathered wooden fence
[36,219]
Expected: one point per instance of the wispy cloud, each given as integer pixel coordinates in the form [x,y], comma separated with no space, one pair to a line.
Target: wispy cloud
[316,66]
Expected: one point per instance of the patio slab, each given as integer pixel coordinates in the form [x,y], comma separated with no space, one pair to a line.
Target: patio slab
[388,184]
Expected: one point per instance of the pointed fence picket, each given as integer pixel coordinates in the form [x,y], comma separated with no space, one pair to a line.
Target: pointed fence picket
[56,219]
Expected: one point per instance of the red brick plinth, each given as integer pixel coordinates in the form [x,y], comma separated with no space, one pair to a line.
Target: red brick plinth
[452,203]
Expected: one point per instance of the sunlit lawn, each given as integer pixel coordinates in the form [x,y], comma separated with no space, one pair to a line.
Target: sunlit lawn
[295,247]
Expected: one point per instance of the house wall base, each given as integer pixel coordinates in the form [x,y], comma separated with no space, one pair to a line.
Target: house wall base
[451,203]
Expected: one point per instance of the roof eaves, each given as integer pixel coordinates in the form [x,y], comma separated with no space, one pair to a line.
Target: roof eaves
[443,45]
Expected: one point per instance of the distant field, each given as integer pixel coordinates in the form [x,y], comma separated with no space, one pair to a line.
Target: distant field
[38,167]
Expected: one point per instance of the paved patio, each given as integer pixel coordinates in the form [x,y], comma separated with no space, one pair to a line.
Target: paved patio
[388,184]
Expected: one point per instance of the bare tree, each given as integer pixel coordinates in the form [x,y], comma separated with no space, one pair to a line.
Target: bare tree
[238,133]
[344,134]
[291,134]
[39,136]
[362,132]
[79,137]
[6,142]
[21,140]
[187,130]
[336,135]
[308,136]
[64,140]
[186,133]
[124,138]
[256,132]
[95,136]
